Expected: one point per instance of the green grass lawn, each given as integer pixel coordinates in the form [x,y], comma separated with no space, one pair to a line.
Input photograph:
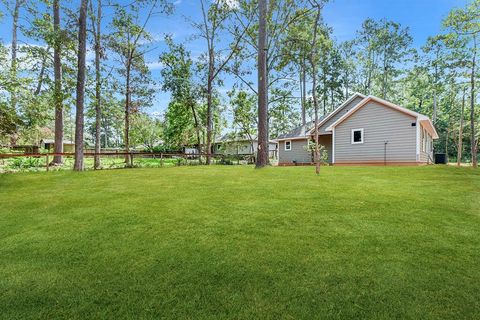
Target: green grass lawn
[233,242]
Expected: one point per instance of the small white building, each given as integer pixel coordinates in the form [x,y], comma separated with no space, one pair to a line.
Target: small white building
[241,145]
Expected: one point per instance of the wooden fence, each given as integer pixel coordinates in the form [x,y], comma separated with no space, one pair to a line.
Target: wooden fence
[130,156]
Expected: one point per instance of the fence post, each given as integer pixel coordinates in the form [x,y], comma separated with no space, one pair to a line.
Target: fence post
[131,159]
[46,162]
[161,159]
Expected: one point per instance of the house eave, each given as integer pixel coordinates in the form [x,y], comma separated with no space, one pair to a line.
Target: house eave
[337,110]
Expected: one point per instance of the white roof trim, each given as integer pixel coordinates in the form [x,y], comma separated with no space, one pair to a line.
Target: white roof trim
[294,138]
[338,109]
[429,126]
[420,117]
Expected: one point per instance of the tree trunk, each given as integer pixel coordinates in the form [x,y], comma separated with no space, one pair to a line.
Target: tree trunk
[460,133]
[41,74]
[262,148]
[472,105]
[313,62]
[304,94]
[82,50]
[98,97]
[434,116]
[105,133]
[127,113]
[211,70]
[197,130]
[57,95]
[13,69]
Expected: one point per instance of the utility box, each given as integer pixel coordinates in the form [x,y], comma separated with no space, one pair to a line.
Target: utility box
[440,158]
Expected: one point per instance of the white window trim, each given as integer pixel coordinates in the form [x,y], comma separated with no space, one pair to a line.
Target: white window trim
[285,146]
[333,145]
[363,137]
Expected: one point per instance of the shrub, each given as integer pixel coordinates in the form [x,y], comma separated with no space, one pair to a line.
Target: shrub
[24,163]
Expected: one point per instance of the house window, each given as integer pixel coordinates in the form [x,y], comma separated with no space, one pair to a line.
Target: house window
[357,136]
[288,145]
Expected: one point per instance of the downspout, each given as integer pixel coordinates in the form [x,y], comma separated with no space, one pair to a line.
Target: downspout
[385,152]
[417,125]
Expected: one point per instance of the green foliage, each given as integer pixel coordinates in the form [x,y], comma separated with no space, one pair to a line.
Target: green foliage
[322,151]
[179,126]
[25,163]
[158,149]
[244,108]
[182,118]
[146,131]
[382,46]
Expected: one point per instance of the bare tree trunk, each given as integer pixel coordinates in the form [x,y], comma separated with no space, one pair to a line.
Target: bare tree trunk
[262,148]
[105,134]
[313,61]
[211,71]
[98,97]
[41,74]
[13,69]
[472,105]
[460,132]
[304,94]
[57,95]
[385,75]
[197,130]
[127,113]
[82,50]
[434,116]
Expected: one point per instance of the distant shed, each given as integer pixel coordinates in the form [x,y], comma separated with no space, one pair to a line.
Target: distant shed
[49,144]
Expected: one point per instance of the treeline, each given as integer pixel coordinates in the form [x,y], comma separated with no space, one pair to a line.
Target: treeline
[307,73]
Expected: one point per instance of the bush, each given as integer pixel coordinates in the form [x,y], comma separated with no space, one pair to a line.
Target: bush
[157,149]
[24,163]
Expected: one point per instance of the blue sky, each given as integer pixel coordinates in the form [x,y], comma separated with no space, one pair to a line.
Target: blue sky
[423,17]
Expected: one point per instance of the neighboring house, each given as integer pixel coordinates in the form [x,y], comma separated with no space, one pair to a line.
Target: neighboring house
[49,144]
[366,130]
[241,145]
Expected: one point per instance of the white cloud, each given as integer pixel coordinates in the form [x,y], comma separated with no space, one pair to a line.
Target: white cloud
[232,4]
[155,65]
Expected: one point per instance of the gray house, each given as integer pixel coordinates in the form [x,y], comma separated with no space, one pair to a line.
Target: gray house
[364,130]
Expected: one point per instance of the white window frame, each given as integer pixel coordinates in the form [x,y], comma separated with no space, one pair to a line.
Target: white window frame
[363,137]
[290,145]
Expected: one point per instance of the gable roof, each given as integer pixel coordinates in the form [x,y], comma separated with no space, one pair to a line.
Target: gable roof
[300,132]
[338,109]
[229,137]
[50,141]
[420,117]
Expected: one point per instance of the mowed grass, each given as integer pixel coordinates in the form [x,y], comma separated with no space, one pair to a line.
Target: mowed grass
[237,243]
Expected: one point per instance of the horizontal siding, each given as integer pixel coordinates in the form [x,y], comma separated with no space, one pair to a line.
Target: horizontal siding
[297,154]
[337,116]
[326,140]
[379,124]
